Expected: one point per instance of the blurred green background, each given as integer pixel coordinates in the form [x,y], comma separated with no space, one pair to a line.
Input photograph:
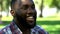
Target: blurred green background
[48,14]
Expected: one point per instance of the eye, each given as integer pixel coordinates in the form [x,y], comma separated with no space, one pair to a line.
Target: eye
[33,6]
[24,7]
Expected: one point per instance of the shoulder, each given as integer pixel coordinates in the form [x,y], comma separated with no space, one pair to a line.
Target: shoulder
[5,29]
[38,28]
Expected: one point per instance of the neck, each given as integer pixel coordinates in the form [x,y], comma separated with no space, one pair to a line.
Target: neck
[22,28]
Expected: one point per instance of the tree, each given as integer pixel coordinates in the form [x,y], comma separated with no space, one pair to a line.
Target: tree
[56,3]
[7,6]
[41,8]
[1,11]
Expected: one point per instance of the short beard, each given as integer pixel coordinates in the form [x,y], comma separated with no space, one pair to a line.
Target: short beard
[23,22]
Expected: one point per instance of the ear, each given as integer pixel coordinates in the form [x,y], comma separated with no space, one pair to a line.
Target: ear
[12,12]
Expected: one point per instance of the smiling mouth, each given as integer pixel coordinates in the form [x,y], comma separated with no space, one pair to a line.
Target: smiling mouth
[30,19]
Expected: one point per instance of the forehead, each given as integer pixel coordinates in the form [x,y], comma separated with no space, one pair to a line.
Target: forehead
[19,3]
[25,1]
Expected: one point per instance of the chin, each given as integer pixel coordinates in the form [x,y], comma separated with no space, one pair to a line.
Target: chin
[31,25]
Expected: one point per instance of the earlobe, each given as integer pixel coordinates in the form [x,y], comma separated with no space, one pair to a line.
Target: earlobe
[12,12]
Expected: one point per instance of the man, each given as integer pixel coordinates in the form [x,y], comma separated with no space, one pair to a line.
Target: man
[24,19]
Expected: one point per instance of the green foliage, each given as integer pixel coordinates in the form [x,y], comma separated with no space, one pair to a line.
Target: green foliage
[37,3]
[47,2]
[55,3]
[5,4]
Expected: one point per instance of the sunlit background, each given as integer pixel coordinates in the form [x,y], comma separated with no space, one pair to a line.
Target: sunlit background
[48,14]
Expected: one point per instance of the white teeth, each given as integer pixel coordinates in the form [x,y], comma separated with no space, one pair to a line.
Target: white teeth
[30,17]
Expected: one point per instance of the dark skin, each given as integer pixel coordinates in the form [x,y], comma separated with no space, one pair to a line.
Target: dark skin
[24,15]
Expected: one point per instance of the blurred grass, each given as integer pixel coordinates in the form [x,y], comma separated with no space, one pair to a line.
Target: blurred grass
[50,24]
[53,27]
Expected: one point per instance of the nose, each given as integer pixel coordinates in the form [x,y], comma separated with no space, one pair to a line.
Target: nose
[30,12]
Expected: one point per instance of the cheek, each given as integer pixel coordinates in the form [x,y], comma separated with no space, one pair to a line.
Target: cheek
[22,14]
[22,11]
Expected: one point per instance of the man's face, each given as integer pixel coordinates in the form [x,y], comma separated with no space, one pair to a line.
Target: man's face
[25,13]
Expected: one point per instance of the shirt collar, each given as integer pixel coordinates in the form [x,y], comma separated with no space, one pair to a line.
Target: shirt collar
[16,28]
